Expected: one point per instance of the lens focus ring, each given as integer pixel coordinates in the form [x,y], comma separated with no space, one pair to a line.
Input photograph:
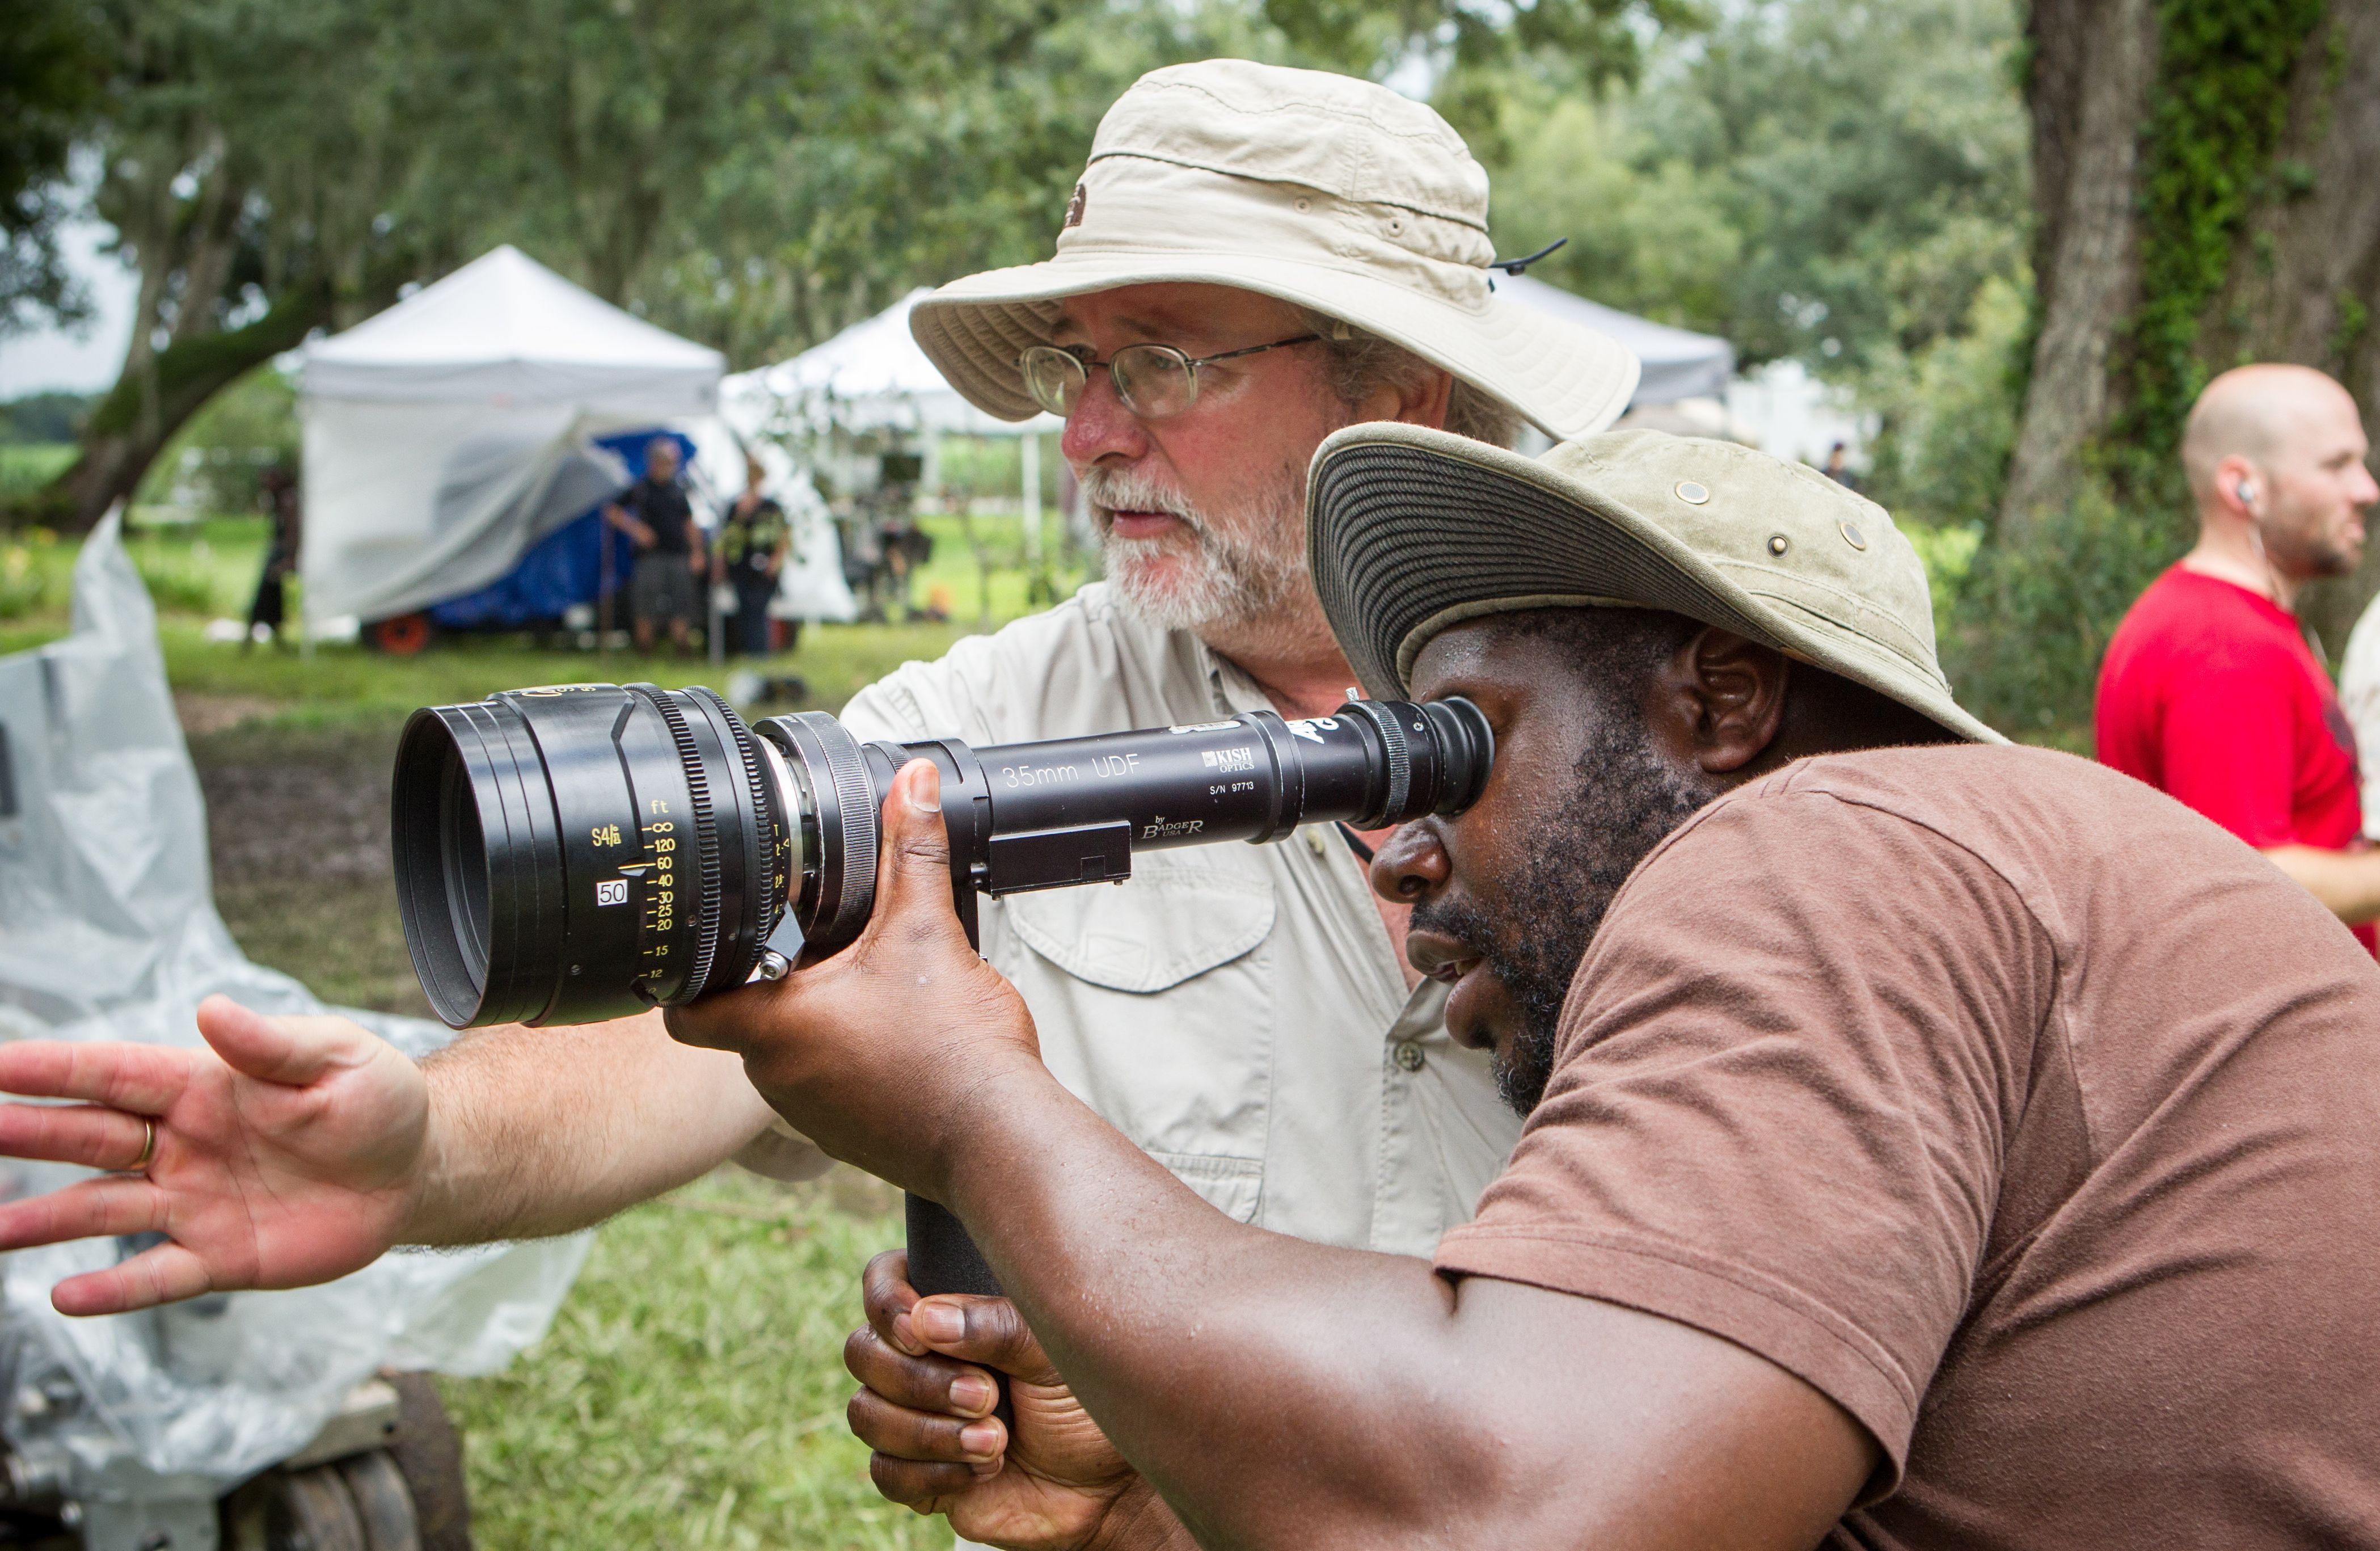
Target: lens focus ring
[706,871]
[1383,716]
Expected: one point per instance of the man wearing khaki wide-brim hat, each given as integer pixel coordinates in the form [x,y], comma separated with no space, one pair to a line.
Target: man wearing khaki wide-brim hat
[1255,258]
[1932,1143]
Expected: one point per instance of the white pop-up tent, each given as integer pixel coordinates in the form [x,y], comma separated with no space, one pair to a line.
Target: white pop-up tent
[1678,363]
[446,435]
[872,376]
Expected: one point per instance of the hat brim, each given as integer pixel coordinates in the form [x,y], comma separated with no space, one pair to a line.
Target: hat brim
[1567,381]
[1410,532]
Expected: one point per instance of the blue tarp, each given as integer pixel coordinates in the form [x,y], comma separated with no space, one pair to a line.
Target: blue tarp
[566,566]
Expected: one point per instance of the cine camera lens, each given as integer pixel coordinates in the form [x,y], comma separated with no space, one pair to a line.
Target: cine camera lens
[570,854]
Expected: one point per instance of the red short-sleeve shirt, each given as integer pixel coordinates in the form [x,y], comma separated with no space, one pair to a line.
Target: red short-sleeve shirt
[2210,694]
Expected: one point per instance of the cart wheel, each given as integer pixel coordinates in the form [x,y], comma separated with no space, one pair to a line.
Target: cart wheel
[382,1503]
[429,1454]
[311,1511]
[403,636]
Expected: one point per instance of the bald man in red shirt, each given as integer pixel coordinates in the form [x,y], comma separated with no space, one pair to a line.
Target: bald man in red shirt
[2210,691]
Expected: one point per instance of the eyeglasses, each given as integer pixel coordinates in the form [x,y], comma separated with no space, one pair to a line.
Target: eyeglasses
[1152,381]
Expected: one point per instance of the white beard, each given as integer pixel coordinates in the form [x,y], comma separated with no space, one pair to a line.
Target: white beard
[1232,578]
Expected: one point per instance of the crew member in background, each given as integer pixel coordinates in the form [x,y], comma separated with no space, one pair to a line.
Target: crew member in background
[1838,467]
[2210,691]
[659,520]
[269,609]
[749,554]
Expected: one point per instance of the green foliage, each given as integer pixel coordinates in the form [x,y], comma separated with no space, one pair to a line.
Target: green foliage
[2221,104]
[2028,626]
[1880,157]
[1950,413]
[33,576]
[1599,41]
[43,418]
[1834,182]
[1648,234]
[28,466]
[52,63]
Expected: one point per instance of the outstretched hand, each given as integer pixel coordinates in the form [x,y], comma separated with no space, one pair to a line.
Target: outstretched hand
[287,1152]
[1051,1484]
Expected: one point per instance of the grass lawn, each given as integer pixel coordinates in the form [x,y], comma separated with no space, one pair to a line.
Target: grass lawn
[691,1392]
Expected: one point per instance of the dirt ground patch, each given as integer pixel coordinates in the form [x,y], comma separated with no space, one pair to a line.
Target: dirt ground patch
[297,822]
[201,713]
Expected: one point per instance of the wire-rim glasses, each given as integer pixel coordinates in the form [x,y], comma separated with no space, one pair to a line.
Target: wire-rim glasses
[1152,381]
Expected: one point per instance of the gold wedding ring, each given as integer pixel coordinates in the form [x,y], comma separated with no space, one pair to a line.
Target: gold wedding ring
[147,1148]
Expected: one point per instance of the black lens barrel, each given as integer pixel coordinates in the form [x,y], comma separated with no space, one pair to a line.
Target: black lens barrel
[571,854]
[633,854]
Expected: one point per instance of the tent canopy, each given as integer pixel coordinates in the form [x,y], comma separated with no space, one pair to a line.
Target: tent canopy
[505,327]
[871,376]
[436,433]
[1678,363]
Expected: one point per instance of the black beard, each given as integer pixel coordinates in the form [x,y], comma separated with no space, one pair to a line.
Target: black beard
[1627,800]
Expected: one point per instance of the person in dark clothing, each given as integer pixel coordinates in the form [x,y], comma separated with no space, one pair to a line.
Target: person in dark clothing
[269,607]
[1838,467]
[659,520]
[754,540]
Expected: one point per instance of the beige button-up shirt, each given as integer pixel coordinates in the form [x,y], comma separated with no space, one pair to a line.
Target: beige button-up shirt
[1236,1010]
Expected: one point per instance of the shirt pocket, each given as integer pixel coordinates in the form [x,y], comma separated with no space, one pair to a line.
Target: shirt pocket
[1154,1001]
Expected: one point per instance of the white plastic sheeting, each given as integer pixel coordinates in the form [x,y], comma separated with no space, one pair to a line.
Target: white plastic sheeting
[108,931]
[435,431]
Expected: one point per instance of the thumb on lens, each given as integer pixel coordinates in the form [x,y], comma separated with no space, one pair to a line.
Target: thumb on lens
[914,870]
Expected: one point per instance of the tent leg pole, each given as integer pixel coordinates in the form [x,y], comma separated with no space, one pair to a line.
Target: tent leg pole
[1031,448]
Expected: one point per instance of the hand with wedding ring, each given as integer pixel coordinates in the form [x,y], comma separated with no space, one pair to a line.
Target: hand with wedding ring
[286,1152]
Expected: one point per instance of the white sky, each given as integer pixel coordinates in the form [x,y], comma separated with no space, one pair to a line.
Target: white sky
[85,363]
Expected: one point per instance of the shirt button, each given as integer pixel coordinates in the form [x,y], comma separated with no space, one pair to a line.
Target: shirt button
[1410,1057]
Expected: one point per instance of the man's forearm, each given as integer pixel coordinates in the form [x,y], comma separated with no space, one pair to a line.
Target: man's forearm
[1276,1392]
[536,1131]
[2348,883]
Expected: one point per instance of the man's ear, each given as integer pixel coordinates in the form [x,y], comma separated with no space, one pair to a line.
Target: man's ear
[1719,701]
[1422,401]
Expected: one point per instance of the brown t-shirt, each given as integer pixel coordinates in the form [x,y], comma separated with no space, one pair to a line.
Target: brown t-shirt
[2022,1111]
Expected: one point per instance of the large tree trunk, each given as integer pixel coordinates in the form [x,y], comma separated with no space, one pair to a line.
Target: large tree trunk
[2093,64]
[149,404]
[2302,282]
[2316,299]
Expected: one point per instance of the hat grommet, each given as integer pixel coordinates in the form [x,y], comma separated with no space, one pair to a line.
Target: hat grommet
[1853,537]
[1779,543]
[1692,493]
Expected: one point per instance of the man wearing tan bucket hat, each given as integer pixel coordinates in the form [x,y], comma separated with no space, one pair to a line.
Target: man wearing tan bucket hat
[1931,1142]
[1255,258]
